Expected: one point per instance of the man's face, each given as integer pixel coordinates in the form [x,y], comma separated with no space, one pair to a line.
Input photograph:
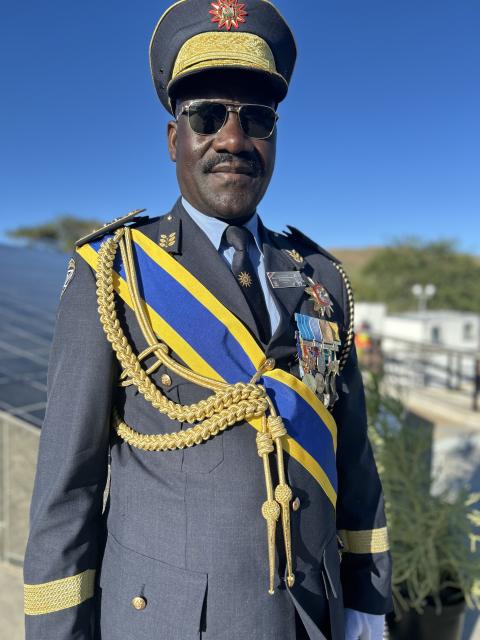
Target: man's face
[224,175]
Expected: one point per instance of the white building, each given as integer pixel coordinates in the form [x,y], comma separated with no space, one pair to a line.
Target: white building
[452,329]
[427,347]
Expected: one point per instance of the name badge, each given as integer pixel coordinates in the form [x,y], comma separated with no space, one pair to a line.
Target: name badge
[285,279]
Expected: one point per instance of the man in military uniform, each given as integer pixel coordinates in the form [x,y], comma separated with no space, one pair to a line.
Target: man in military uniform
[210,361]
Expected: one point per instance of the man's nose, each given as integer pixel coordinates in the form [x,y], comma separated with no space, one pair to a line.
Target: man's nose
[231,137]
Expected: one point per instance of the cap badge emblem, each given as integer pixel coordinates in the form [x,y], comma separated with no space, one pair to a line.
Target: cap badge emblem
[228,13]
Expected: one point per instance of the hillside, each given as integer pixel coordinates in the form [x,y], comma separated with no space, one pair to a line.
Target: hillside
[355,259]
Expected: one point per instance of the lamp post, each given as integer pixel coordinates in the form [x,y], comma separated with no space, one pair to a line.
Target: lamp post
[423,293]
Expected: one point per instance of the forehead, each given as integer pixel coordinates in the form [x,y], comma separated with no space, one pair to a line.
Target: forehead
[232,86]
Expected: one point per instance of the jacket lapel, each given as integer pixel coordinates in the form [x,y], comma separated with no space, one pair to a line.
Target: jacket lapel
[282,343]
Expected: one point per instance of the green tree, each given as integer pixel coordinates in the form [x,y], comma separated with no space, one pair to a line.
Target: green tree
[61,233]
[392,271]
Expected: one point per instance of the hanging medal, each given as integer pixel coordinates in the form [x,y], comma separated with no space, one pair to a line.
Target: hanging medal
[318,342]
[310,354]
[331,346]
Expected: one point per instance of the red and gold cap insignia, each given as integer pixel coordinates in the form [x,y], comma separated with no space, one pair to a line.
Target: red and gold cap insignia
[228,13]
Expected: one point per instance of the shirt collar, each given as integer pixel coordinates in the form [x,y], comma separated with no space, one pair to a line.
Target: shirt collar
[213,228]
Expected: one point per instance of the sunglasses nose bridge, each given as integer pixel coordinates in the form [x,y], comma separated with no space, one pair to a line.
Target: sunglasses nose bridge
[231,108]
[236,110]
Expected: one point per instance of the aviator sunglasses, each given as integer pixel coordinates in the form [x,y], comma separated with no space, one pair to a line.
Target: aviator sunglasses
[207,117]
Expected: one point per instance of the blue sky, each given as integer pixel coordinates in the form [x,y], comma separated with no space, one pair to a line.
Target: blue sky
[378,139]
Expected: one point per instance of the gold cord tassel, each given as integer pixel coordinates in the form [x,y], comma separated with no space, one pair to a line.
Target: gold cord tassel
[270,508]
[283,493]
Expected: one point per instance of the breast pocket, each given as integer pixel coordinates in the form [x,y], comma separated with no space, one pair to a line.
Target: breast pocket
[200,458]
[208,455]
[142,598]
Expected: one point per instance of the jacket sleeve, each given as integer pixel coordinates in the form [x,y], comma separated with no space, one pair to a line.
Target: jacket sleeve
[66,522]
[366,560]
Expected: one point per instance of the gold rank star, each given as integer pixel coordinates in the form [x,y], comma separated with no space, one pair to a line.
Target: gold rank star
[245,279]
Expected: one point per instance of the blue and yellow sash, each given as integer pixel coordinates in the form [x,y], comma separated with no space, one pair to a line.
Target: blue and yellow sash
[215,343]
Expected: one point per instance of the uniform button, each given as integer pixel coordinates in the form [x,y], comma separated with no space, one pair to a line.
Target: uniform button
[139,603]
[166,380]
[296,504]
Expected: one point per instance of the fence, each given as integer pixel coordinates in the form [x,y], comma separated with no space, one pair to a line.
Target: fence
[18,456]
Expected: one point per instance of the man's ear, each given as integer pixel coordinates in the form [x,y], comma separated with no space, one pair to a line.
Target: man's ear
[172,139]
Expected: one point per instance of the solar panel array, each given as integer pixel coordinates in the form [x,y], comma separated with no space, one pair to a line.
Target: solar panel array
[29,292]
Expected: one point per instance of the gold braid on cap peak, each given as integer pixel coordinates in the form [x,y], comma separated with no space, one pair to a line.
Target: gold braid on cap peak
[229,404]
[222,49]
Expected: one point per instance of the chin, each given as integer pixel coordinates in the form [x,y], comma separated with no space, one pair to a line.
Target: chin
[232,209]
[233,204]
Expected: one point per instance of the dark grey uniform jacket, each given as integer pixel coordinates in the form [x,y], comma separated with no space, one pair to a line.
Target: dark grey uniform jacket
[183,529]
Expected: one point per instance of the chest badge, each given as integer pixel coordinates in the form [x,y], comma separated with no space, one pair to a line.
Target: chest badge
[320,298]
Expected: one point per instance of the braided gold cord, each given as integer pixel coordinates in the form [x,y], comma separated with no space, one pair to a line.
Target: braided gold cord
[187,438]
[230,404]
[250,398]
[125,243]
[348,344]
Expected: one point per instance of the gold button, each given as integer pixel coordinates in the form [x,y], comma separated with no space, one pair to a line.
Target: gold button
[269,364]
[296,504]
[166,380]
[139,603]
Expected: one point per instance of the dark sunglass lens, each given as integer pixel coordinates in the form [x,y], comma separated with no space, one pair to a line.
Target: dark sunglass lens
[207,118]
[257,121]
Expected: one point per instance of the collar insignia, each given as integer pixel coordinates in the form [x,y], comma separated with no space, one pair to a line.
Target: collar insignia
[294,255]
[167,240]
[228,13]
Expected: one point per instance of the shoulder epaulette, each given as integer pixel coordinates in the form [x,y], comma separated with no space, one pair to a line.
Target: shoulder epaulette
[296,235]
[110,226]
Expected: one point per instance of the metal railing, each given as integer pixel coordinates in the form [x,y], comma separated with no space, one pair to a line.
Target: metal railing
[18,458]
[421,364]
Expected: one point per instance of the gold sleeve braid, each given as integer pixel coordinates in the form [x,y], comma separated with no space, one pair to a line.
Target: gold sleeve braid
[365,541]
[58,594]
[230,404]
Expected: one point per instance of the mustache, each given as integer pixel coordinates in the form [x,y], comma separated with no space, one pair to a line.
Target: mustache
[251,162]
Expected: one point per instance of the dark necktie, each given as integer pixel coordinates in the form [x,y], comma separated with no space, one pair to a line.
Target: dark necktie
[239,238]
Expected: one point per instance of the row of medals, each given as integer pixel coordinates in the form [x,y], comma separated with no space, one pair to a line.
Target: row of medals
[318,344]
